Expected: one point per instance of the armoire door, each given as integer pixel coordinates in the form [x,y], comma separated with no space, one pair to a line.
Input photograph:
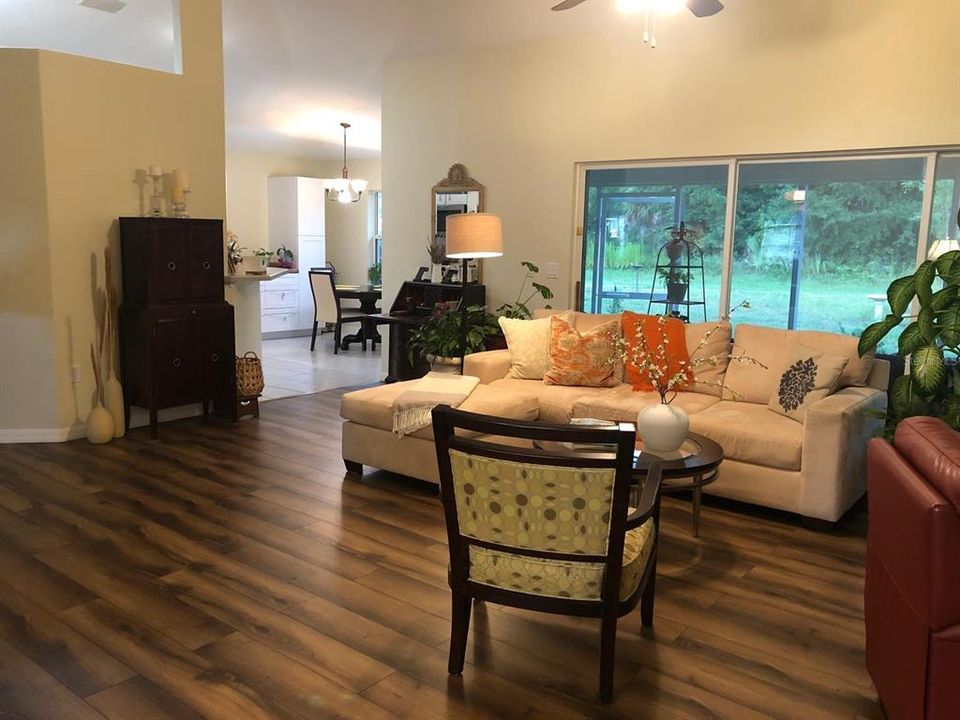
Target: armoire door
[206,262]
[173,357]
[215,353]
[169,261]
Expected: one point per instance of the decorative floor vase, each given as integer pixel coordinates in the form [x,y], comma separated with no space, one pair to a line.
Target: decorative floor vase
[99,425]
[113,402]
[663,428]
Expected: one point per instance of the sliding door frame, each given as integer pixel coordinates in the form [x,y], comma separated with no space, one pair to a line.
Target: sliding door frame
[929,154]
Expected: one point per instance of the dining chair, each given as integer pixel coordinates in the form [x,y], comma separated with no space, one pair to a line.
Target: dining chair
[546,530]
[328,308]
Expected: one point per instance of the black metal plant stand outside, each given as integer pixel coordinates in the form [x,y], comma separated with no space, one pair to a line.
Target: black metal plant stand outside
[683,258]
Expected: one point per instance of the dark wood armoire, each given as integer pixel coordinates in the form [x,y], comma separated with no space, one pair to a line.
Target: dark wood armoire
[176,329]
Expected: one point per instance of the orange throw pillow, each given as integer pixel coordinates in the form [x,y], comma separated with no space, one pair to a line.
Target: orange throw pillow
[582,359]
[673,330]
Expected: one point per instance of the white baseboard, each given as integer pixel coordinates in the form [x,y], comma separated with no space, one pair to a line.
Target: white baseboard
[42,435]
[138,418]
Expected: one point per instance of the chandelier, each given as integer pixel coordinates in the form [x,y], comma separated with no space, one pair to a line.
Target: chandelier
[343,189]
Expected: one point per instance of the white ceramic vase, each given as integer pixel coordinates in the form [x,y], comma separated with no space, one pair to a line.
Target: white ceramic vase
[99,425]
[436,273]
[113,402]
[663,428]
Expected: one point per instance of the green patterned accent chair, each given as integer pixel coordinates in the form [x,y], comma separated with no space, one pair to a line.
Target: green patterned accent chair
[547,530]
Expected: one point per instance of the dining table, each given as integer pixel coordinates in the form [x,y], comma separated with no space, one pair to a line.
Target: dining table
[369,296]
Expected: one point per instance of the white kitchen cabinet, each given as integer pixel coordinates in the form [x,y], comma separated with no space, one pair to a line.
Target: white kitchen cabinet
[296,219]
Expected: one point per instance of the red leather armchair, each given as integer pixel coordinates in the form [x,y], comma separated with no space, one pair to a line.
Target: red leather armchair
[912,600]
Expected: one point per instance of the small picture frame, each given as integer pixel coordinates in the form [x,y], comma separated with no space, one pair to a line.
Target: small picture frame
[449,275]
[420,273]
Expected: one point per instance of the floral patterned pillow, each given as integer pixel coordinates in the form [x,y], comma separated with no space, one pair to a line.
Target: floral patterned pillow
[810,375]
[583,359]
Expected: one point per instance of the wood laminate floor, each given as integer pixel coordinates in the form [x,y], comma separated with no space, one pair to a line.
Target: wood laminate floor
[234,571]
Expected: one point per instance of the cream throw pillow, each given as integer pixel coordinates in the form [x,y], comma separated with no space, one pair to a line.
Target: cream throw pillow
[529,344]
[809,376]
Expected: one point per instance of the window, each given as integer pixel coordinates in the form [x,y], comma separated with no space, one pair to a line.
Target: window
[816,243]
[812,242]
[946,199]
[629,215]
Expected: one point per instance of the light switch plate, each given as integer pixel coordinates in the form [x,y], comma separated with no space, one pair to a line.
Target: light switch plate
[551,270]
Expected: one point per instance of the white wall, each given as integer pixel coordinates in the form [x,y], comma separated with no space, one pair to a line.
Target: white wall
[348,227]
[757,78]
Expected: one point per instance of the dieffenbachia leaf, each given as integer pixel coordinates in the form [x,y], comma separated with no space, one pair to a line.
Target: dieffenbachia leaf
[927,367]
[900,294]
[875,332]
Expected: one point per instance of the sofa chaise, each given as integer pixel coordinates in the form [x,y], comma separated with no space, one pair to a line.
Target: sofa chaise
[815,468]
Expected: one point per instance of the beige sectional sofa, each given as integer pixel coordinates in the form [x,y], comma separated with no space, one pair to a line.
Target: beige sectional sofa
[815,468]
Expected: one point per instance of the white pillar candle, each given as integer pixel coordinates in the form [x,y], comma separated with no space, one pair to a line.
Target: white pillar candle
[155,171]
[181,179]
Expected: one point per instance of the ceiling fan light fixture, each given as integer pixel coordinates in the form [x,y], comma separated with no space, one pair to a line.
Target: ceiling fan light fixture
[344,189]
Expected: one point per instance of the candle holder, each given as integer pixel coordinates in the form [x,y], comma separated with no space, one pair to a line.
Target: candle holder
[180,204]
[156,200]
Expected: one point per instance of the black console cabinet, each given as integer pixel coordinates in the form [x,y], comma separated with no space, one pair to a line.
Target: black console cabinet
[176,329]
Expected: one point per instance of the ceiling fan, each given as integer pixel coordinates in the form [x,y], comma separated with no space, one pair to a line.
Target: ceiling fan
[651,9]
[700,8]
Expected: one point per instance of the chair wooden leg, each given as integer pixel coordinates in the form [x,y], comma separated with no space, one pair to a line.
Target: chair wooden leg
[608,642]
[646,600]
[459,629]
[313,340]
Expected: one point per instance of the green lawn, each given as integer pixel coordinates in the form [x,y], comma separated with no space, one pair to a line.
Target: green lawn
[826,303]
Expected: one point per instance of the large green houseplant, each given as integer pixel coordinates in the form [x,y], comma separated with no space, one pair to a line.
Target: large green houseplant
[519,308]
[932,387]
[438,339]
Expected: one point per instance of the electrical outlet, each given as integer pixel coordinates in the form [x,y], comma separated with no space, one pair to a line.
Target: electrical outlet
[74,373]
[551,270]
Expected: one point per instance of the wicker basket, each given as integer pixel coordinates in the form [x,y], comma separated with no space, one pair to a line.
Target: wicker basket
[249,375]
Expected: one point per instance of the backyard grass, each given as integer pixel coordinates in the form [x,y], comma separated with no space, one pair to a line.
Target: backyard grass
[826,303]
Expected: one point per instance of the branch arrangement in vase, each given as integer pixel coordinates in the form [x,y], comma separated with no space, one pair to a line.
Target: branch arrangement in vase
[653,361]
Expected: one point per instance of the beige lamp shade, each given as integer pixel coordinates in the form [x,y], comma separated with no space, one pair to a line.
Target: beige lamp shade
[474,235]
[942,247]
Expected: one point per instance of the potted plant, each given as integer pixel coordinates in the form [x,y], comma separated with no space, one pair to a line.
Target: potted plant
[284,257]
[438,253]
[263,260]
[933,385]
[375,273]
[438,339]
[519,309]
[676,280]
[234,251]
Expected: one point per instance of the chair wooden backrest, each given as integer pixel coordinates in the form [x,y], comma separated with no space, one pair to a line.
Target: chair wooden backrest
[555,510]
[326,308]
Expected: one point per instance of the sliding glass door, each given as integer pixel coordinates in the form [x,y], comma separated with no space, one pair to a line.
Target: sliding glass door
[629,216]
[811,242]
[816,243]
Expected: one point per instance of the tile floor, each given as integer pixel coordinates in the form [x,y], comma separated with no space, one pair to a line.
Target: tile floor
[289,368]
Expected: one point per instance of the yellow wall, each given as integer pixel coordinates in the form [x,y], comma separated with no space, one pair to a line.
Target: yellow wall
[348,230]
[757,78]
[347,233]
[99,122]
[27,387]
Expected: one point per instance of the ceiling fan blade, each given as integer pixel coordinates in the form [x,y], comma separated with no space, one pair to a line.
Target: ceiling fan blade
[704,8]
[566,5]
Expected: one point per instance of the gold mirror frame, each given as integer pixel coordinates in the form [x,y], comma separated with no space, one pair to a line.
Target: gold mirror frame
[457,180]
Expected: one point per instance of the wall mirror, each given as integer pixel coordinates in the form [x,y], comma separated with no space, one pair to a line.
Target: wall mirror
[456,193]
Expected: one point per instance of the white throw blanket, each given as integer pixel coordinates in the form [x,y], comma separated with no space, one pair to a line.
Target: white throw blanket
[412,408]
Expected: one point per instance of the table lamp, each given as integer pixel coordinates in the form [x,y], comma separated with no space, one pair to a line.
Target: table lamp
[471,236]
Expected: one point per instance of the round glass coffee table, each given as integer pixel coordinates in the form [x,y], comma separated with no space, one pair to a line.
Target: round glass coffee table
[692,467]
